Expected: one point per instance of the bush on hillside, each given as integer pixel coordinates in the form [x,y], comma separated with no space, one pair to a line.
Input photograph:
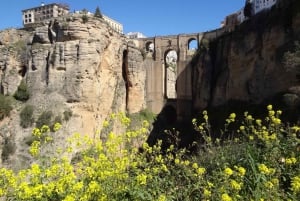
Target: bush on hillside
[26,116]
[44,119]
[5,106]
[22,93]
[67,114]
[258,161]
[9,148]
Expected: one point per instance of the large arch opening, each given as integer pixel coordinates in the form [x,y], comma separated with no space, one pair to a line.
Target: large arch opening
[170,61]
[192,44]
[150,46]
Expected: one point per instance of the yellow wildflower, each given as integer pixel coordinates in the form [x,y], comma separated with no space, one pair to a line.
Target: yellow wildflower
[265,170]
[291,161]
[206,193]
[269,107]
[142,179]
[228,171]
[226,197]
[295,184]
[162,198]
[56,127]
[235,185]
[195,165]
[201,171]
[241,171]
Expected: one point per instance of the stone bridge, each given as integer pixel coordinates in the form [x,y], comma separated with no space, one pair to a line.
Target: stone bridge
[168,71]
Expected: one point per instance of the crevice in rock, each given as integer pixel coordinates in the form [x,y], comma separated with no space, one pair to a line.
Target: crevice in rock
[77,52]
[125,75]
[47,68]
[1,89]
[50,36]
[23,71]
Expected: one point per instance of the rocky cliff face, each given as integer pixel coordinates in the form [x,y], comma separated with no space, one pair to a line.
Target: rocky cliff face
[246,65]
[70,65]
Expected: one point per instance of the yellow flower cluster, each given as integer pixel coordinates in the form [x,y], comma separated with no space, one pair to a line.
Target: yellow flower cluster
[266,170]
[295,184]
[291,161]
[228,171]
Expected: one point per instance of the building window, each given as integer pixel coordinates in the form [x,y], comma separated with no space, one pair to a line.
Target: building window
[25,16]
[29,20]
[29,15]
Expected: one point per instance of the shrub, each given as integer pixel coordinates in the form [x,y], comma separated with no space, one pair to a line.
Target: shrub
[68,114]
[22,93]
[138,118]
[5,106]
[9,148]
[44,119]
[259,161]
[84,18]
[26,116]
[57,120]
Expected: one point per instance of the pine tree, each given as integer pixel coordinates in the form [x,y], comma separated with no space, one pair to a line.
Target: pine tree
[98,13]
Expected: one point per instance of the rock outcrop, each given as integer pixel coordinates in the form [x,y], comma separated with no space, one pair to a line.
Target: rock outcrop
[246,65]
[72,65]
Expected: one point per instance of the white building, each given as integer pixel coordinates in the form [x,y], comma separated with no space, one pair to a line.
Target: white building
[133,35]
[43,12]
[259,5]
[118,27]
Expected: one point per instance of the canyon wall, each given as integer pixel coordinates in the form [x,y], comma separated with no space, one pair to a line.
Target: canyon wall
[69,65]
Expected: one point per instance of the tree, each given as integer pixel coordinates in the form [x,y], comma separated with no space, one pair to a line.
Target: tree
[248,9]
[291,59]
[22,93]
[98,13]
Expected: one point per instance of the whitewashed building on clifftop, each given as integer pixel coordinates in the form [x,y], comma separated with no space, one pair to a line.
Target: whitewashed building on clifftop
[133,35]
[44,12]
[118,27]
[259,5]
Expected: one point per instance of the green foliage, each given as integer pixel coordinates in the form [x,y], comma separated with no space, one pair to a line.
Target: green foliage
[5,106]
[138,118]
[9,148]
[258,161]
[22,93]
[26,116]
[68,114]
[84,18]
[291,59]
[98,13]
[44,119]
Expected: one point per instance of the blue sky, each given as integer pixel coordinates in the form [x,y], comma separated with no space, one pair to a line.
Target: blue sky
[152,18]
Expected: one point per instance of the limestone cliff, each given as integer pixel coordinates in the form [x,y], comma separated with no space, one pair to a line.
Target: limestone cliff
[246,65]
[69,64]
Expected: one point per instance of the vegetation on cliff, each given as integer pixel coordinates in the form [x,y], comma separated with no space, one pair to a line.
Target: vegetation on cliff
[258,161]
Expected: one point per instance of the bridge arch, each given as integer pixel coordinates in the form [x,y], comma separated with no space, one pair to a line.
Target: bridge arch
[170,72]
[168,78]
[149,46]
[192,44]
